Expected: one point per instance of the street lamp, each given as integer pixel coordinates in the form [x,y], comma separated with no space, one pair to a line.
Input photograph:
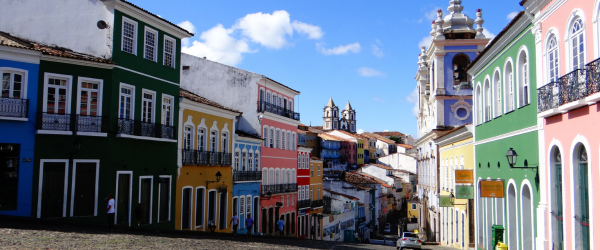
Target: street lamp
[218,175]
[511,156]
[453,199]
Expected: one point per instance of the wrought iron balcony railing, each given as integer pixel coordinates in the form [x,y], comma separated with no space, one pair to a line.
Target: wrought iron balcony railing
[279,188]
[13,107]
[247,176]
[272,108]
[59,122]
[145,129]
[303,204]
[90,123]
[575,85]
[194,157]
[316,203]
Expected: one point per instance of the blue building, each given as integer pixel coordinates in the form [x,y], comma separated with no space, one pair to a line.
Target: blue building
[330,147]
[246,179]
[19,69]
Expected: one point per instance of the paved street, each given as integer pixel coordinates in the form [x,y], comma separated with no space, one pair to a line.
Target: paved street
[43,236]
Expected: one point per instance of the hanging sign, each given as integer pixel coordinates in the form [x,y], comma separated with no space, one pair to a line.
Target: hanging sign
[464,176]
[491,189]
[464,192]
[445,201]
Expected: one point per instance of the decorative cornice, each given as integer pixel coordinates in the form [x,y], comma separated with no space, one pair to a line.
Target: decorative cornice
[509,134]
[77,62]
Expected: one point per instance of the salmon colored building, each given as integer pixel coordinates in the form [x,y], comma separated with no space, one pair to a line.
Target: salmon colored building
[567,39]
[279,159]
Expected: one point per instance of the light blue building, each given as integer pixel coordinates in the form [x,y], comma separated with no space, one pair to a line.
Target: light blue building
[330,148]
[19,70]
[247,179]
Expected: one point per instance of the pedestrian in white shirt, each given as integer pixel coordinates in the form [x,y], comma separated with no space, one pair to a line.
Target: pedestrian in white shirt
[110,212]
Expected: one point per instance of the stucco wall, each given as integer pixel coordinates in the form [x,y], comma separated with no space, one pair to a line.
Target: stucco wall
[399,161]
[76,29]
[231,87]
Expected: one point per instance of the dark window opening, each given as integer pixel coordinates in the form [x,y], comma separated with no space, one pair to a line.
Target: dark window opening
[459,63]
[164,195]
[9,175]
[199,207]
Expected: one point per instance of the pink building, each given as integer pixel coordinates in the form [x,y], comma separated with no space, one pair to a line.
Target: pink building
[568,91]
[279,158]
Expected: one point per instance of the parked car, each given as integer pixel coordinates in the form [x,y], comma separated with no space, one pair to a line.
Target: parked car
[408,240]
[387,228]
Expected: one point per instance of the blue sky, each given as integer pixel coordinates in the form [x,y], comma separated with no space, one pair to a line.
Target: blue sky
[362,51]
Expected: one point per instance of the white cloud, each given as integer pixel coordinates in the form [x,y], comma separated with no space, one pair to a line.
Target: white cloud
[488,34]
[313,32]
[369,72]
[379,99]
[430,15]
[386,130]
[413,97]
[512,15]
[339,50]
[269,30]
[425,42]
[218,45]
[377,51]
[187,25]
[360,131]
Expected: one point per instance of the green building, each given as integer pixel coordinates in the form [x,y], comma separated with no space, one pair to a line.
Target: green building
[108,113]
[506,118]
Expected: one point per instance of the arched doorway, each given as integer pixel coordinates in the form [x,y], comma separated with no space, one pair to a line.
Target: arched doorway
[513,241]
[557,200]
[582,214]
[527,217]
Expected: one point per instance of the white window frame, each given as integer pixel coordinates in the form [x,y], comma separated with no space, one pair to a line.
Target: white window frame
[509,86]
[265,136]
[163,112]
[174,54]
[188,137]
[497,92]
[205,140]
[69,79]
[100,83]
[24,79]
[523,78]
[169,202]
[153,93]
[257,160]
[132,109]
[151,177]
[571,36]
[155,48]
[135,34]
[216,137]
[555,52]
[73,179]
[41,180]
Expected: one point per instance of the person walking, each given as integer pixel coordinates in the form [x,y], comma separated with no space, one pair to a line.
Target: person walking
[234,220]
[280,224]
[356,237]
[249,224]
[110,212]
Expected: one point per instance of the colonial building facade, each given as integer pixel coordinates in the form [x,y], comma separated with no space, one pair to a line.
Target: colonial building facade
[444,99]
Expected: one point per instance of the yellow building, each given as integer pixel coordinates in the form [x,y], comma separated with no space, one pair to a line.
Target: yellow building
[316,204]
[360,151]
[457,222]
[204,181]
[412,208]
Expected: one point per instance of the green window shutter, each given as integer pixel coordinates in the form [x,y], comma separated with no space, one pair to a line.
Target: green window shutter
[584,204]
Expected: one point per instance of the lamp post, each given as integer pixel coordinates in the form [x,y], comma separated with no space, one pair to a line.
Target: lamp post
[511,156]
[453,199]
[218,175]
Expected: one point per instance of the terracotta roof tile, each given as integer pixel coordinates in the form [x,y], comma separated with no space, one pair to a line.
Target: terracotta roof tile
[332,137]
[389,133]
[340,194]
[156,16]
[191,96]
[378,137]
[405,146]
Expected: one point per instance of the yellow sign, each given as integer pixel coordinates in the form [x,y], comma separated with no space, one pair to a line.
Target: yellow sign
[464,176]
[491,189]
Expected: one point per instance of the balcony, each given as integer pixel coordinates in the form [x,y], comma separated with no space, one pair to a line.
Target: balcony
[247,176]
[578,88]
[56,122]
[303,204]
[194,157]
[89,124]
[279,188]
[272,108]
[14,108]
[316,203]
[132,128]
